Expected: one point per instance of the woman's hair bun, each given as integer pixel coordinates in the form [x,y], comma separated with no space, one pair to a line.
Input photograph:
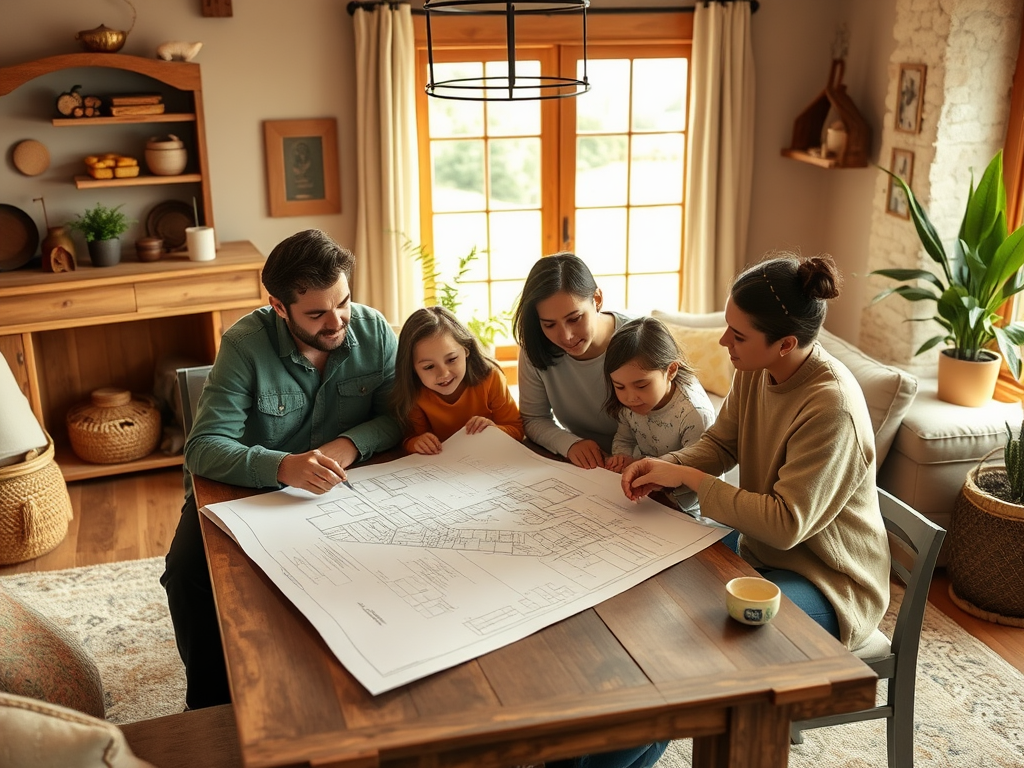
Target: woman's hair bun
[820,277]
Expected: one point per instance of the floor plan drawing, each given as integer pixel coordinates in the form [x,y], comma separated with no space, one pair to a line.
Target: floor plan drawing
[434,560]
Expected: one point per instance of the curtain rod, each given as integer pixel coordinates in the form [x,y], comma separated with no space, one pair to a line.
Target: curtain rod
[369,5]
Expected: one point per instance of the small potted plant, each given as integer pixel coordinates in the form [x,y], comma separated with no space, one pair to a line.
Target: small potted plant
[986,539]
[102,228]
[983,271]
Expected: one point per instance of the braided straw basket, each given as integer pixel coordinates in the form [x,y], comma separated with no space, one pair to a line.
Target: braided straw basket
[114,427]
[34,507]
[986,553]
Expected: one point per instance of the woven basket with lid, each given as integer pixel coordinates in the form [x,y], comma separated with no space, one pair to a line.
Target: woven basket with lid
[114,427]
[34,507]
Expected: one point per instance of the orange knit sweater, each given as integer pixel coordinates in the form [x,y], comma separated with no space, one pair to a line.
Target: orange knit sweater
[489,398]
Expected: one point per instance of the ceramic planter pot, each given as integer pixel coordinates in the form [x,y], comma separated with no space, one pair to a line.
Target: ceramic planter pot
[105,253]
[966,382]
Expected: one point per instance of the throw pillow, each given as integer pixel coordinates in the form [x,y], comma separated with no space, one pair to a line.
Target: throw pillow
[888,390]
[40,660]
[35,734]
[697,337]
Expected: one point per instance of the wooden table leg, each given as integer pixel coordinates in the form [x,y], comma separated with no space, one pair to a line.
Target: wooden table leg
[758,737]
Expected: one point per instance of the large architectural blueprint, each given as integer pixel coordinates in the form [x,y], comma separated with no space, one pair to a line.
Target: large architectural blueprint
[434,560]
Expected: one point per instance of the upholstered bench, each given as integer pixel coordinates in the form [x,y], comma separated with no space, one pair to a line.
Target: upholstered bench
[935,446]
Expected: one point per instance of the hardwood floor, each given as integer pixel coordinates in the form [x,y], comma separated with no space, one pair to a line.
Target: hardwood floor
[134,516]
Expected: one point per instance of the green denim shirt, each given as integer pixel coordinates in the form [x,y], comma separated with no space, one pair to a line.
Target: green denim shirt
[264,400]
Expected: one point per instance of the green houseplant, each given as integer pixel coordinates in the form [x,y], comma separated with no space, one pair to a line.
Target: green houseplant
[445,293]
[983,271]
[102,228]
[986,538]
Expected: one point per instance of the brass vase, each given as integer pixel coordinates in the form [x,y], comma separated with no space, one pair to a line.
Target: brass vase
[102,39]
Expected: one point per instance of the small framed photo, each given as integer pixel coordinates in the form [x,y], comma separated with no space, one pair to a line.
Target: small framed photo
[910,97]
[896,199]
[302,166]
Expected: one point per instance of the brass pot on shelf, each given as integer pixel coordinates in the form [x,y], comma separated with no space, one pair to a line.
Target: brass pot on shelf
[102,39]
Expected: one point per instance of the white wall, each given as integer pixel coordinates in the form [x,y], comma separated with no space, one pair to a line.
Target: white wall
[798,206]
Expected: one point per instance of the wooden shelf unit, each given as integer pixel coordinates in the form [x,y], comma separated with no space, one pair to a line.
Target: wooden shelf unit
[69,333]
[180,78]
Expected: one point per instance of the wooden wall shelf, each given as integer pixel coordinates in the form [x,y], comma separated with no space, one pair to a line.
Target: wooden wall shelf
[809,128]
[142,180]
[85,122]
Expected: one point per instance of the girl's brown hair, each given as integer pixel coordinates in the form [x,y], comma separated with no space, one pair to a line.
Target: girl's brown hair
[649,343]
[424,324]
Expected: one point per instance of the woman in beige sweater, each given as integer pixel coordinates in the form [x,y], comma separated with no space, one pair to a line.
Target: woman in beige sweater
[796,423]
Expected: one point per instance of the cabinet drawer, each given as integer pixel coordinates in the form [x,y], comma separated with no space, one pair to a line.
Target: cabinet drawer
[193,291]
[69,304]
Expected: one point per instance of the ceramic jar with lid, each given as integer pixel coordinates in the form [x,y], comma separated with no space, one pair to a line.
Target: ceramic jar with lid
[166,155]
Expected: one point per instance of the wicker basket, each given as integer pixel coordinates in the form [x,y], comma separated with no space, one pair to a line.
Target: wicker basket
[114,427]
[986,554]
[34,507]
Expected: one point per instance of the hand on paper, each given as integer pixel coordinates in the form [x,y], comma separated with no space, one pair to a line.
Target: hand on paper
[342,450]
[478,424]
[618,462]
[585,454]
[645,476]
[427,443]
[312,471]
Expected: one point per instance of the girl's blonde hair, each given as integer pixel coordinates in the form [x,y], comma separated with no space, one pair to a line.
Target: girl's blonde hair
[424,324]
[649,342]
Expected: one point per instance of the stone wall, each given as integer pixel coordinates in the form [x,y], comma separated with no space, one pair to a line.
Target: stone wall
[969,48]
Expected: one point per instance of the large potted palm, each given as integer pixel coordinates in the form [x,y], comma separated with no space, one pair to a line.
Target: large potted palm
[983,271]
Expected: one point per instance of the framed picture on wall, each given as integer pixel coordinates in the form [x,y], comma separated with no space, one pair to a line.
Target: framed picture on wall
[910,96]
[896,199]
[302,166]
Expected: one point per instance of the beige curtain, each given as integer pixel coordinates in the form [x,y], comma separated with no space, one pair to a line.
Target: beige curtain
[386,277]
[720,148]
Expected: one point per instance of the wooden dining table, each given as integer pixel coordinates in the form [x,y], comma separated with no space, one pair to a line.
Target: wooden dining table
[661,660]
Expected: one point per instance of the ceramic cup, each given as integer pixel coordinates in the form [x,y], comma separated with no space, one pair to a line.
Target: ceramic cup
[752,600]
[201,243]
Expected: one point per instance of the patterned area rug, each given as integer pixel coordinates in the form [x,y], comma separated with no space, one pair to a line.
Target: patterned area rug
[118,612]
[967,715]
[969,701]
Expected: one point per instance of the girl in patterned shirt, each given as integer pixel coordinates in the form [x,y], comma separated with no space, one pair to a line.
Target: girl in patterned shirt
[654,394]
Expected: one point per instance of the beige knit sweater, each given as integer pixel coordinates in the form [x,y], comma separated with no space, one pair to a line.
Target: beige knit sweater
[807,499]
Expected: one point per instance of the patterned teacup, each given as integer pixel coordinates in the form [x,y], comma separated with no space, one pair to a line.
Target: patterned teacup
[752,600]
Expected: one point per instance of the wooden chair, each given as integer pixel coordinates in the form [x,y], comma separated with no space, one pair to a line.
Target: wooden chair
[914,543]
[190,386]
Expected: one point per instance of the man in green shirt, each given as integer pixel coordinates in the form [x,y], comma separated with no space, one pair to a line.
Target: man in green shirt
[297,394]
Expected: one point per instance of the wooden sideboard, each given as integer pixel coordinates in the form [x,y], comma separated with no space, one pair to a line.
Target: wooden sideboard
[67,334]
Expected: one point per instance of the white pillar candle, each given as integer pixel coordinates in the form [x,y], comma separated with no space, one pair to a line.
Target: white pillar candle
[201,243]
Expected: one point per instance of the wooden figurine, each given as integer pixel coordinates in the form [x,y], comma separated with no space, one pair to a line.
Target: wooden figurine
[58,259]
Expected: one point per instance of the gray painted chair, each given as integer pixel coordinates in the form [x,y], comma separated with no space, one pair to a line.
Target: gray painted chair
[914,543]
[190,386]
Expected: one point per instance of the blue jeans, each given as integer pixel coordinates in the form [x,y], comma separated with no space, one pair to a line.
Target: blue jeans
[797,588]
[637,757]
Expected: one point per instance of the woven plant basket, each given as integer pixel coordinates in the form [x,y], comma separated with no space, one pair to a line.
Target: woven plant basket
[986,553]
[114,427]
[34,507]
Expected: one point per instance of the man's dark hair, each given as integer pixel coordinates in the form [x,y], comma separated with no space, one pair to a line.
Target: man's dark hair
[308,259]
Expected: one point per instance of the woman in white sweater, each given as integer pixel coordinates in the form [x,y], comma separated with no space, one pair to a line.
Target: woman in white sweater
[563,335]
[796,423]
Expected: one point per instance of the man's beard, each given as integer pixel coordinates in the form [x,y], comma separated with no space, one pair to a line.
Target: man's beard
[317,341]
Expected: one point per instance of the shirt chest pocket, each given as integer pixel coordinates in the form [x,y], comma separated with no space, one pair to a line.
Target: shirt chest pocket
[282,413]
[355,399]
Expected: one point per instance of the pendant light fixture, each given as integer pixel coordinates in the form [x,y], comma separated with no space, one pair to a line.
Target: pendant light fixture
[513,86]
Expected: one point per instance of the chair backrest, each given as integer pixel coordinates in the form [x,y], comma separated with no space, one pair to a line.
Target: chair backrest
[914,543]
[190,386]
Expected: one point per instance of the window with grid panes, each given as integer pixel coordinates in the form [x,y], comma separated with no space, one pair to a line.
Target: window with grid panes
[600,174]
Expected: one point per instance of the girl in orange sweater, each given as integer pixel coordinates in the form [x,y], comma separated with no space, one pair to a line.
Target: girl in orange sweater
[444,382]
